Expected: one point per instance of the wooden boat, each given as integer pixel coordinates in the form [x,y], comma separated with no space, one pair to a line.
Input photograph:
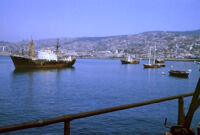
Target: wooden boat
[178,73]
[151,66]
[159,60]
[154,64]
[129,60]
[161,64]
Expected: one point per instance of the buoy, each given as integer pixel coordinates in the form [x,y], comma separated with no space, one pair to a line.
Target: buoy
[189,70]
[163,73]
[171,66]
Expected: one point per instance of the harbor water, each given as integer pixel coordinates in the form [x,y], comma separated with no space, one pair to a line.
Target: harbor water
[94,84]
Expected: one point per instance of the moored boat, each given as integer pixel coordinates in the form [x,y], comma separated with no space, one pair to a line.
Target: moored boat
[29,62]
[161,64]
[153,65]
[159,60]
[45,59]
[129,60]
[178,73]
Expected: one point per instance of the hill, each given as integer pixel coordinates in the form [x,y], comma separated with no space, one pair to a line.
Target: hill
[169,44]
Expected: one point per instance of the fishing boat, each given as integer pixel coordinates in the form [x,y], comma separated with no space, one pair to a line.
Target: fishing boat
[45,59]
[178,73]
[129,60]
[161,64]
[159,60]
[152,65]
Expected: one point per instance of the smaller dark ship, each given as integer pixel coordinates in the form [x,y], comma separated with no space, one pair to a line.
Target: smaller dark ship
[159,60]
[129,60]
[152,65]
[45,59]
[161,64]
[178,73]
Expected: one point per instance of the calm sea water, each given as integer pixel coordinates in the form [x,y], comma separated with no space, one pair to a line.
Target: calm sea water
[94,84]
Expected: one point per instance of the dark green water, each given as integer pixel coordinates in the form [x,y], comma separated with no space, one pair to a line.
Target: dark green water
[94,84]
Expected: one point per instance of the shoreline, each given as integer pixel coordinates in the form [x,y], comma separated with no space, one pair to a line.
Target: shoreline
[165,59]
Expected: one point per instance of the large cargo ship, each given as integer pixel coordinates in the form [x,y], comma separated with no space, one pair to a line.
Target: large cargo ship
[45,59]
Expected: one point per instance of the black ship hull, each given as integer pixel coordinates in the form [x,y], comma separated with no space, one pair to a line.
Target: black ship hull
[130,62]
[151,66]
[31,63]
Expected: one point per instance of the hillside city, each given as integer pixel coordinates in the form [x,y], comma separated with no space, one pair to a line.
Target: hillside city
[165,44]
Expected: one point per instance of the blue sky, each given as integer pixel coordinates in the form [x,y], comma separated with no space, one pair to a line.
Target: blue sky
[19,19]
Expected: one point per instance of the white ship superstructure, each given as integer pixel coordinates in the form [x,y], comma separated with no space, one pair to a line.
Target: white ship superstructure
[47,54]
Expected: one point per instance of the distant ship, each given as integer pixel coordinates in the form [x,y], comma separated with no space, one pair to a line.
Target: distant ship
[129,60]
[154,64]
[45,59]
[159,60]
[178,73]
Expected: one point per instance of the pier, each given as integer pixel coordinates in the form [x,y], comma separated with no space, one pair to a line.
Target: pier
[183,120]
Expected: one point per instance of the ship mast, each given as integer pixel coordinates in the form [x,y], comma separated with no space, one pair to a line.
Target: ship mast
[57,47]
[31,50]
[154,60]
[150,56]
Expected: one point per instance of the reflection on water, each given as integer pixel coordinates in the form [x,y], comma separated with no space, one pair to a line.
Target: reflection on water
[41,75]
[24,70]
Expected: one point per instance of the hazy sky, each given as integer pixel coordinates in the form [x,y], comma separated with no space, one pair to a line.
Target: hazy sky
[19,19]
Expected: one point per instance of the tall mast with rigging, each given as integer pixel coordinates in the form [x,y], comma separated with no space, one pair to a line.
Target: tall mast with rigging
[57,47]
[31,50]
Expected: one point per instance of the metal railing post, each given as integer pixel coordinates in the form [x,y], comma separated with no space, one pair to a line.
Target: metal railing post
[67,127]
[198,129]
[195,103]
[181,114]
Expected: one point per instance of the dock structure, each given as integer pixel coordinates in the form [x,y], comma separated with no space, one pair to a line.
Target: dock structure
[183,121]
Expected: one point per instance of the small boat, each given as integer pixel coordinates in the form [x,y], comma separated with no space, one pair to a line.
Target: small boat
[159,60]
[178,73]
[161,64]
[129,60]
[152,65]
